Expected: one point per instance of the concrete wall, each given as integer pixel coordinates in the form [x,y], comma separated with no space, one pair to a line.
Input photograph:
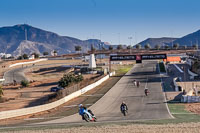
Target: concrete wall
[29,62]
[190,99]
[36,109]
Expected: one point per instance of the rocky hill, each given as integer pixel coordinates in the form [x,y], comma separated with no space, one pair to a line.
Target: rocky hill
[27,39]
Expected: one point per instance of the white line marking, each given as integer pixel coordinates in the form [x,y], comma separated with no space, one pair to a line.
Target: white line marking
[164,95]
[93,95]
[178,68]
[184,113]
[71,106]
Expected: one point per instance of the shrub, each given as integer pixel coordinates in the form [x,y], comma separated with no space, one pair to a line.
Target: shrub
[162,67]
[68,79]
[24,83]
[1,91]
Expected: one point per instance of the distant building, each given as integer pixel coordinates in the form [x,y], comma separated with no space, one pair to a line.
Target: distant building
[4,55]
[32,56]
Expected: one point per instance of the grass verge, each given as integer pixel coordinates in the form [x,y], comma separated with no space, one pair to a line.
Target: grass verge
[162,67]
[180,115]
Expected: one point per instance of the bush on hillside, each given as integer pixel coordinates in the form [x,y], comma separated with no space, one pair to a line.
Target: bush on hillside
[24,83]
[68,79]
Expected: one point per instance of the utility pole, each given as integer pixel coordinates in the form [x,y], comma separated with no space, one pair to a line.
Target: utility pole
[25,34]
[119,37]
[130,43]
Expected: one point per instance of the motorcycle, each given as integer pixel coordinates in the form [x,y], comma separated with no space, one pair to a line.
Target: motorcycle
[87,118]
[124,112]
[146,91]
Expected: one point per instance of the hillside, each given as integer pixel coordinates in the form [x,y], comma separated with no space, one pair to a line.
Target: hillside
[157,41]
[189,40]
[12,40]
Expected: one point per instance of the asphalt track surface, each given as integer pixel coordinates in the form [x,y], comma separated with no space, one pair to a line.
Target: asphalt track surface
[16,74]
[140,107]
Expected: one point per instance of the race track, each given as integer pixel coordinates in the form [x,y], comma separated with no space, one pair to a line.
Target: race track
[141,107]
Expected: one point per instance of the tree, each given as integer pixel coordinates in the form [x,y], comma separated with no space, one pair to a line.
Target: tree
[195,46]
[185,46]
[128,47]
[1,91]
[36,55]
[110,47]
[119,47]
[138,46]
[68,79]
[78,48]
[157,46]
[176,45]
[25,56]
[92,48]
[54,53]
[45,53]
[147,46]
[19,57]
[166,47]
[24,83]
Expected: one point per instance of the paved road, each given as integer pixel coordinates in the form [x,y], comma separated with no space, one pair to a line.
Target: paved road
[140,106]
[14,74]
[18,73]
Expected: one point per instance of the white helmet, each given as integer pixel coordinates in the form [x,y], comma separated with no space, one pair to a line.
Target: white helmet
[80,105]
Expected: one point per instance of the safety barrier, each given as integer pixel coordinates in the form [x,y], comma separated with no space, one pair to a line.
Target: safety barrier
[40,108]
[190,99]
[192,75]
[29,62]
[175,84]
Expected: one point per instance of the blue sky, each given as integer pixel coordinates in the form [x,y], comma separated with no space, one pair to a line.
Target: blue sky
[112,21]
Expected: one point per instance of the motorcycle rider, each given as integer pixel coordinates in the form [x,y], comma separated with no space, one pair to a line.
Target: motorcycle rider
[82,110]
[146,91]
[123,107]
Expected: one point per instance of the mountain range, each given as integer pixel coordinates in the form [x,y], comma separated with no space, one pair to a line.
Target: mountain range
[20,39]
[157,41]
[187,40]
[23,38]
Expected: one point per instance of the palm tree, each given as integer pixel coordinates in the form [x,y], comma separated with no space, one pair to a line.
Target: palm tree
[157,47]
[128,47]
[45,53]
[138,46]
[195,46]
[110,47]
[147,46]
[77,48]
[54,53]
[119,47]
[176,45]
[166,47]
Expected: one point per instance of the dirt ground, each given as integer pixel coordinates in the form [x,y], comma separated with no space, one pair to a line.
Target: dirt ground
[193,107]
[37,93]
[130,128]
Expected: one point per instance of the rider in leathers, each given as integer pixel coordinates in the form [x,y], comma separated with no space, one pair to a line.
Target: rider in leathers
[123,107]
